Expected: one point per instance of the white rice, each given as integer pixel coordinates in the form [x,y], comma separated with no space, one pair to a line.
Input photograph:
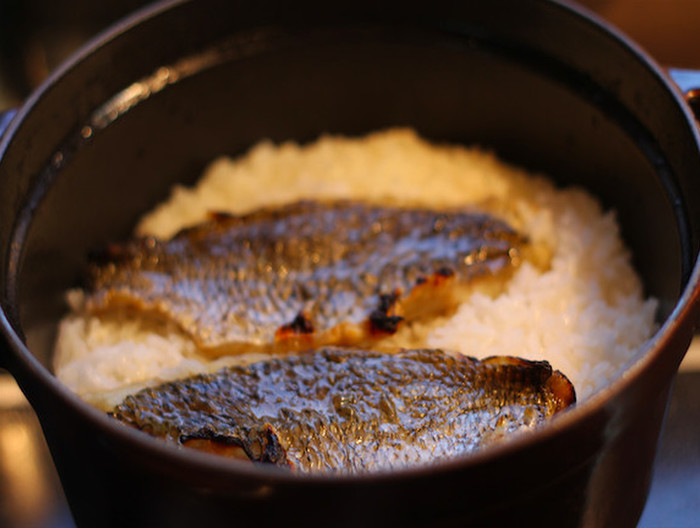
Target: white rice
[583,311]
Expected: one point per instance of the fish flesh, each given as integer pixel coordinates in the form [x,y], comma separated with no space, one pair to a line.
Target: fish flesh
[304,275]
[350,410]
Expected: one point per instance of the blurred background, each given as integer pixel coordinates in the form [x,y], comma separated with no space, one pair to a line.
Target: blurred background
[36,35]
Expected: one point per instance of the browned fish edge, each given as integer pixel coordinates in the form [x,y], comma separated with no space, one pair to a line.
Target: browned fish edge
[557,383]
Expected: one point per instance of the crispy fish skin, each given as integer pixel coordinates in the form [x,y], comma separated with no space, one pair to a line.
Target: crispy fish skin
[352,411]
[304,275]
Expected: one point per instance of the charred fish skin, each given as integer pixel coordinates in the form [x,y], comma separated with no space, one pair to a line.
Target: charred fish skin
[303,275]
[353,411]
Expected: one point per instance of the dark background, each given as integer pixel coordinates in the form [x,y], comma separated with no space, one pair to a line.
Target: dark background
[35,36]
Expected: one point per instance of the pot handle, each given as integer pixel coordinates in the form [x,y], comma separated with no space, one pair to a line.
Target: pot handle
[689,83]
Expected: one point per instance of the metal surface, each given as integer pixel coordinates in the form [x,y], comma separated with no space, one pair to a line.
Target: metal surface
[674,499]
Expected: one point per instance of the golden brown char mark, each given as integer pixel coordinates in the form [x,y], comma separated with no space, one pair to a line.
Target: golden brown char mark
[307,274]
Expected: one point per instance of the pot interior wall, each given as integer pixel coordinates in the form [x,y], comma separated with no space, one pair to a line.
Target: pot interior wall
[528,109]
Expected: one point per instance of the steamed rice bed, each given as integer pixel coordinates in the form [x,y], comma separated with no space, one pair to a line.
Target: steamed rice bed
[578,305]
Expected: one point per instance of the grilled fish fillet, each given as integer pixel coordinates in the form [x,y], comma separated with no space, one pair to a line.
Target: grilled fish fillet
[305,275]
[352,411]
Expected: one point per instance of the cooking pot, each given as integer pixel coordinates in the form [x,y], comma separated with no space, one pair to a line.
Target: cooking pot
[151,101]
